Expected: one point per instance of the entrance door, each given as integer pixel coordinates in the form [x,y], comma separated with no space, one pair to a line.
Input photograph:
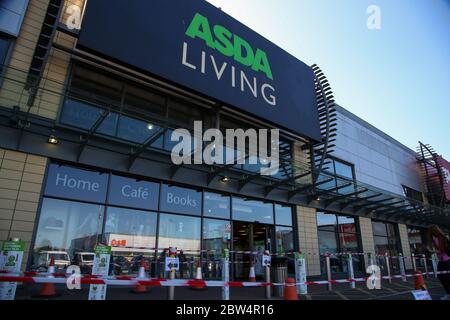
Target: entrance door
[252,237]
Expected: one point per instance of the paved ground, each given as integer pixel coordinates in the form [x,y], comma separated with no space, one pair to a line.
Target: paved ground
[398,290]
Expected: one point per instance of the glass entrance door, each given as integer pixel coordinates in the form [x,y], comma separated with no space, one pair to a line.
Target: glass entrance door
[253,237]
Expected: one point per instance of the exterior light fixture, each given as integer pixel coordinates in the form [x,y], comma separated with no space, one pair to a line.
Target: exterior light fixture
[317,198]
[225,179]
[52,139]
[149,126]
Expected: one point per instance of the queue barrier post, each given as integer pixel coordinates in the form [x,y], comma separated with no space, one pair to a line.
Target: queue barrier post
[328,266]
[401,260]
[388,267]
[413,260]
[266,264]
[424,260]
[434,262]
[351,273]
[172,271]
[226,274]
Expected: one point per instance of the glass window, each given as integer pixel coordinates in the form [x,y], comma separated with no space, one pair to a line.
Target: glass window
[283,215]
[343,170]
[338,234]
[4,48]
[285,239]
[326,221]
[180,200]
[66,227]
[216,236]
[252,210]
[130,228]
[346,224]
[327,242]
[216,205]
[179,231]
[95,86]
[83,115]
[143,102]
[140,131]
[385,238]
[379,228]
[348,242]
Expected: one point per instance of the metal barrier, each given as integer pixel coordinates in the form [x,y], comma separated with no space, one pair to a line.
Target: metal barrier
[277,266]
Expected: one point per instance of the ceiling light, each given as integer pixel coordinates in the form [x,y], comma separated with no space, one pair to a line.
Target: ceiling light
[52,139]
[149,126]
[225,179]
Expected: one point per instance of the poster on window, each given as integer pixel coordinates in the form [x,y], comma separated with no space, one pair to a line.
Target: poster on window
[11,260]
[100,268]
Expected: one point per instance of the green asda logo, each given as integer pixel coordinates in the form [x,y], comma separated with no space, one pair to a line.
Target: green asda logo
[231,45]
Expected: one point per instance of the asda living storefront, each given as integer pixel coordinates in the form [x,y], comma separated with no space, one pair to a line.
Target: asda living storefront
[140,218]
[168,65]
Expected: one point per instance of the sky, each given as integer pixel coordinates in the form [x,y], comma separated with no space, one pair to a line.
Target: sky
[397,77]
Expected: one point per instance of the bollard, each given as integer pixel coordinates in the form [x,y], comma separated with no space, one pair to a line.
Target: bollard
[266,261]
[370,259]
[328,265]
[435,264]
[226,274]
[300,273]
[171,294]
[388,267]
[172,270]
[424,260]
[401,260]
[268,288]
[351,274]
[413,260]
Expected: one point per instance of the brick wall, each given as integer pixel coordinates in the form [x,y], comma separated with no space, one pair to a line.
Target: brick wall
[308,239]
[404,241]
[21,178]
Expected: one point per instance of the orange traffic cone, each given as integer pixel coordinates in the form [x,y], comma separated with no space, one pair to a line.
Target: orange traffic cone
[251,275]
[198,276]
[139,287]
[419,282]
[48,289]
[290,292]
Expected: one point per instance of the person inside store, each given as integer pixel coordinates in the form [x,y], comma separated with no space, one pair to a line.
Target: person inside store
[439,243]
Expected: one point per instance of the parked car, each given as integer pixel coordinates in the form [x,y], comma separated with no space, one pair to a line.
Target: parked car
[62,259]
[85,261]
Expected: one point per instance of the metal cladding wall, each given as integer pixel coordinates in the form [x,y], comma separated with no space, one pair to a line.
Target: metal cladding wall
[379,160]
[151,36]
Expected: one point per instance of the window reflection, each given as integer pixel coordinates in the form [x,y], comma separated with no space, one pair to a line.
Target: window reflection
[130,228]
[216,205]
[284,239]
[65,228]
[252,210]
[179,231]
[283,215]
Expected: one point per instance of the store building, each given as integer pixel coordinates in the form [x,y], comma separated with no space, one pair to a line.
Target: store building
[87,108]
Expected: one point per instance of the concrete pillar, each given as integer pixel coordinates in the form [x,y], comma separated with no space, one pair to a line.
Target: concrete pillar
[308,238]
[368,245]
[404,241]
